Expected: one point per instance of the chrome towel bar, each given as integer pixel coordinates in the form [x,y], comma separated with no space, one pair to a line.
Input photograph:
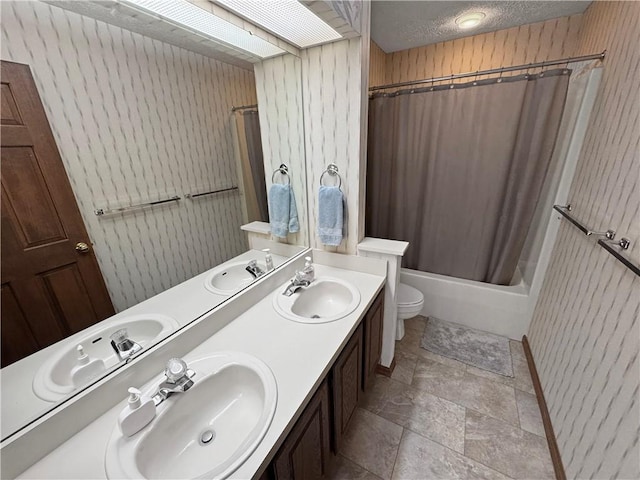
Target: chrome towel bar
[107,211]
[613,247]
[196,195]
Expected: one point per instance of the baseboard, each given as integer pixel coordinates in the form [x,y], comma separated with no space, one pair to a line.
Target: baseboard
[386,371]
[546,419]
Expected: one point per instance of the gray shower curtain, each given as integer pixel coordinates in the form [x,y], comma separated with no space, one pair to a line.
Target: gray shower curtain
[255,160]
[457,172]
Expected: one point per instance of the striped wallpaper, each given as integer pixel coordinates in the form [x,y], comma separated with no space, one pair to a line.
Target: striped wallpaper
[136,119]
[585,333]
[333,120]
[535,42]
[279,89]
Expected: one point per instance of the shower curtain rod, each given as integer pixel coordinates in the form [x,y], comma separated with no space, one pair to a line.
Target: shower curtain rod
[244,107]
[595,56]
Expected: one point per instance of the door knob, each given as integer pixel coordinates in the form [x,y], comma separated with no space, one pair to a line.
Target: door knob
[82,247]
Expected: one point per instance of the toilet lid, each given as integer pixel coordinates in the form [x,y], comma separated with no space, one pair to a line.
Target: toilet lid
[408,295]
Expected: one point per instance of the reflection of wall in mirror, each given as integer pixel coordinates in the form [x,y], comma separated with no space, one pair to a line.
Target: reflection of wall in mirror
[279,89]
[136,119]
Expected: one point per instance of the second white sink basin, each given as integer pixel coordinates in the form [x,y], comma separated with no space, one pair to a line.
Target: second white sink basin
[230,278]
[207,431]
[327,299]
[52,382]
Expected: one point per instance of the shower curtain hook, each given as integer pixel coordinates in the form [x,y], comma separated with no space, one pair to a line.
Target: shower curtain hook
[500,76]
[451,81]
[475,79]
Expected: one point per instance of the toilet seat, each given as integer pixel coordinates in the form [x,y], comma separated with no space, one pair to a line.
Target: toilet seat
[409,296]
[409,302]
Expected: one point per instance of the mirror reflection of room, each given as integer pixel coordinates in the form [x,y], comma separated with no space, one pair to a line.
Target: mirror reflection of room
[129,166]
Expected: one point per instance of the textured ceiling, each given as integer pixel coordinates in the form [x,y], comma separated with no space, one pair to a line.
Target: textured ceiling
[398,25]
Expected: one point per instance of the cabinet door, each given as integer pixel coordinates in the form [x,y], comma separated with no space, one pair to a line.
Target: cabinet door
[373,338]
[346,382]
[305,453]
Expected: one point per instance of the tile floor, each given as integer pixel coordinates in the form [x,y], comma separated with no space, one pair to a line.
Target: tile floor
[437,418]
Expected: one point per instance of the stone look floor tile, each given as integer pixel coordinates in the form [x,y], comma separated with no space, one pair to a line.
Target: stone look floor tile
[510,450]
[529,413]
[416,324]
[430,416]
[405,365]
[422,459]
[494,377]
[466,389]
[372,442]
[344,469]
[520,368]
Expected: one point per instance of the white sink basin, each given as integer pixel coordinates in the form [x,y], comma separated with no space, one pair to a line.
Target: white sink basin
[326,300]
[234,398]
[52,381]
[230,278]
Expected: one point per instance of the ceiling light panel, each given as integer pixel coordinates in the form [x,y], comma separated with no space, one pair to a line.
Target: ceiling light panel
[191,17]
[288,19]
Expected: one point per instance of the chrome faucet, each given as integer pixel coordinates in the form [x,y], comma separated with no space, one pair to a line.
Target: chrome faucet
[299,281]
[253,268]
[178,380]
[124,347]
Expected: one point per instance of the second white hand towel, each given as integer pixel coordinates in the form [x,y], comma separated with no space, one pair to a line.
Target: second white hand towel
[330,215]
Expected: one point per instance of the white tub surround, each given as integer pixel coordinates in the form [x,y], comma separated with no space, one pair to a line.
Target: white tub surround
[391,251]
[183,303]
[299,355]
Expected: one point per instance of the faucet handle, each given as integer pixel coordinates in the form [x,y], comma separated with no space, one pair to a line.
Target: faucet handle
[120,336]
[176,369]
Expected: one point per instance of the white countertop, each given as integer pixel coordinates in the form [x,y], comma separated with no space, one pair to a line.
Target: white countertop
[299,355]
[184,303]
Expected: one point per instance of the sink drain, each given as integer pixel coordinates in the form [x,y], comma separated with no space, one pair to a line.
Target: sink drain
[207,437]
[315,316]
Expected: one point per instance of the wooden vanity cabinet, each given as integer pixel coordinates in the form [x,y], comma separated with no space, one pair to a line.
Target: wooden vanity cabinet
[306,452]
[346,382]
[373,325]
[304,455]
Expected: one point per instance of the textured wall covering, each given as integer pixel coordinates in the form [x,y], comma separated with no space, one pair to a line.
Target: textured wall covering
[585,334]
[377,66]
[333,120]
[535,42]
[279,89]
[136,119]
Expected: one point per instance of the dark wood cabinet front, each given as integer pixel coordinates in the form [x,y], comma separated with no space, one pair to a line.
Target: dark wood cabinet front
[346,383]
[305,453]
[373,325]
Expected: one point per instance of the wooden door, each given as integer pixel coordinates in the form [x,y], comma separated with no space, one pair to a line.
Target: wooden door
[346,383]
[304,455]
[51,286]
[373,326]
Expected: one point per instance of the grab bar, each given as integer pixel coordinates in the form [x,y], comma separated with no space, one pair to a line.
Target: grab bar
[196,195]
[612,246]
[564,211]
[623,243]
[107,211]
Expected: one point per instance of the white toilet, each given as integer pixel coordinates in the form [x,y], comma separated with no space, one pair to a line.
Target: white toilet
[409,301]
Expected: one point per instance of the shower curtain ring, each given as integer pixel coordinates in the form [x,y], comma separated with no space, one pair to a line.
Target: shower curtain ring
[451,81]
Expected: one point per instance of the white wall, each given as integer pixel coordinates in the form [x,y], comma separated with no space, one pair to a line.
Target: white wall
[136,119]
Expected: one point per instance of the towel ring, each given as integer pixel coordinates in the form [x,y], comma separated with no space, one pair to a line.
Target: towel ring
[282,170]
[332,169]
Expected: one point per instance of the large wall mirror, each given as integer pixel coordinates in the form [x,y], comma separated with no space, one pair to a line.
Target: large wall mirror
[129,165]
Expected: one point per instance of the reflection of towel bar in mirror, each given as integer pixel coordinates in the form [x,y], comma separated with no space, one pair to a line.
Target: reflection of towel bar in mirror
[107,211]
[332,170]
[196,195]
[282,170]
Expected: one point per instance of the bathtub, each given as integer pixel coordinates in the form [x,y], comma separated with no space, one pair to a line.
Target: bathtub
[503,310]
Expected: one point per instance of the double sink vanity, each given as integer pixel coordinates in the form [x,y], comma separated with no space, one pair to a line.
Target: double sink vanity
[266,387]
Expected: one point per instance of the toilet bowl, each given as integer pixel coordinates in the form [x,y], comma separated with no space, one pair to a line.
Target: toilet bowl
[409,301]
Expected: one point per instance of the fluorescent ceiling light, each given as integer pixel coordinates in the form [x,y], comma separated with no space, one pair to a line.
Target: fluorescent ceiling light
[191,17]
[470,20]
[288,19]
